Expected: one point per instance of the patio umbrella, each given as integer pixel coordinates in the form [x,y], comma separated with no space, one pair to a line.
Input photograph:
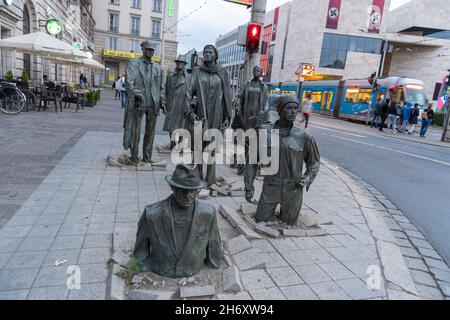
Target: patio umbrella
[91,63]
[42,44]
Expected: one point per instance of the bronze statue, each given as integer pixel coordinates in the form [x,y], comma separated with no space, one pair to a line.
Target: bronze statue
[177,84]
[178,236]
[145,90]
[252,103]
[286,187]
[210,99]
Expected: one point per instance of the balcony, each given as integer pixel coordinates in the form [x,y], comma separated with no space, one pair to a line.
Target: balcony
[113,29]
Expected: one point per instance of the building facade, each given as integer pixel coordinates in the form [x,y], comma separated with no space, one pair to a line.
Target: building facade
[123,24]
[231,55]
[28,16]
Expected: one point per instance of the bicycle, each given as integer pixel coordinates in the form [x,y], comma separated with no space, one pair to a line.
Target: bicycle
[12,100]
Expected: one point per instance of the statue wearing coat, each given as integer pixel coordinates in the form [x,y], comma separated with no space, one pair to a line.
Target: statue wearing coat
[146,96]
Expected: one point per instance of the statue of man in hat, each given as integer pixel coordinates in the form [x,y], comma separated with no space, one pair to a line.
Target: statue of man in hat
[178,236]
[209,100]
[145,89]
[177,84]
[296,146]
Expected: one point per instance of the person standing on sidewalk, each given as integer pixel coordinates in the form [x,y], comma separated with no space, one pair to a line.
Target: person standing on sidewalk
[400,108]
[116,85]
[377,114]
[307,108]
[123,93]
[392,118]
[384,112]
[427,119]
[413,120]
[406,115]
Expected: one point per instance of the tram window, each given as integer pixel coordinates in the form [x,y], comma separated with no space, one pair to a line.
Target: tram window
[305,92]
[317,96]
[351,95]
[364,96]
[397,94]
[330,99]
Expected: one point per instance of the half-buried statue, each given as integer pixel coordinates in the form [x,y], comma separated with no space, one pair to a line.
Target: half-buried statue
[178,236]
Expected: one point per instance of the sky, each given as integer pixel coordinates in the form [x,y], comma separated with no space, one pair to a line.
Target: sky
[202,21]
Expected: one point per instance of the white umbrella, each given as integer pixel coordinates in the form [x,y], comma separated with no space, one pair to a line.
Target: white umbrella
[91,63]
[42,44]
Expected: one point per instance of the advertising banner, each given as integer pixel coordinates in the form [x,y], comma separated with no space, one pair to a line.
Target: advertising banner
[376,16]
[275,24]
[334,11]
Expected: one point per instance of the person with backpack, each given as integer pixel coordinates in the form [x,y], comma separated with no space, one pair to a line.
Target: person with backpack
[413,120]
[392,118]
[406,112]
[427,119]
[377,114]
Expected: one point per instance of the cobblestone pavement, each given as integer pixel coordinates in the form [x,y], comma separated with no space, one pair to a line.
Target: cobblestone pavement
[81,204]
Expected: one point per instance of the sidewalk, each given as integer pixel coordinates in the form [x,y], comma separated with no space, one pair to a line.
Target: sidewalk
[433,135]
[83,204]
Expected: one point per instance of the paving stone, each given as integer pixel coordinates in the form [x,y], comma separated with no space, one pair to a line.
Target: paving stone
[14,231]
[300,292]
[436,263]
[294,233]
[243,295]
[311,274]
[15,279]
[9,244]
[68,242]
[249,260]
[231,280]
[68,229]
[414,234]
[360,267]
[198,291]
[96,291]
[430,293]
[26,260]
[247,232]
[445,287]
[357,289]
[421,243]
[308,220]
[284,276]
[36,244]
[416,264]
[43,231]
[94,255]
[306,243]
[336,270]
[93,273]
[329,291]
[283,245]
[342,253]
[49,293]
[267,294]
[320,255]
[71,255]
[297,257]
[150,295]
[220,190]
[429,253]
[22,221]
[256,279]
[412,253]
[327,242]
[14,295]
[441,274]
[400,295]
[399,234]
[422,278]
[248,209]
[238,244]
[263,245]
[404,243]
[267,231]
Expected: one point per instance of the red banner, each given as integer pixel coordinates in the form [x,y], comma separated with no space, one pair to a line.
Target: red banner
[376,16]
[334,11]
[264,59]
[275,24]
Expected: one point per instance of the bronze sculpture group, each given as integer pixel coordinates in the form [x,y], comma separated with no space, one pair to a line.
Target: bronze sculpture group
[177,236]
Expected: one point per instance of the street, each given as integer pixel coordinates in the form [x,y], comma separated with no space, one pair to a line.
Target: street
[414,176]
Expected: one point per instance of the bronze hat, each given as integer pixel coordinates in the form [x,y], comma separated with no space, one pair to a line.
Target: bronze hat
[181,58]
[186,177]
[147,45]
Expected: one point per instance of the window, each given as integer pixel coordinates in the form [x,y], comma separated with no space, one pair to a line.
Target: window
[355,95]
[351,95]
[135,25]
[136,4]
[156,5]
[316,96]
[365,95]
[112,43]
[335,48]
[437,90]
[156,28]
[134,45]
[116,2]
[113,22]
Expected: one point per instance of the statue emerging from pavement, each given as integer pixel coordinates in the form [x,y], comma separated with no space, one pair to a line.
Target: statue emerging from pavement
[296,146]
[252,103]
[209,100]
[177,84]
[178,236]
[145,90]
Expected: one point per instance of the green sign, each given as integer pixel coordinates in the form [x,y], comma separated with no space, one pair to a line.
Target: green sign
[170,8]
[53,27]
[77,45]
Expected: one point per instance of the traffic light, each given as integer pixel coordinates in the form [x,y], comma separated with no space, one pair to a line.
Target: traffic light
[253,37]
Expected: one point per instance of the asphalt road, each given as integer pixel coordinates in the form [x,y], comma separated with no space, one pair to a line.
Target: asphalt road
[414,176]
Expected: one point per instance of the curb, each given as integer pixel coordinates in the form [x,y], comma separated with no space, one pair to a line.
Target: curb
[393,263]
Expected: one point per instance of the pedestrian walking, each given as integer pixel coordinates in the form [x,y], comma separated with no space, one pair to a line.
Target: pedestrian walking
[377,114]
[400,107]
[81,80]
[392,118]
[406,115]
[122,92]
[307,108]
[414,118]
[427,119]
[116,85]
[384,112]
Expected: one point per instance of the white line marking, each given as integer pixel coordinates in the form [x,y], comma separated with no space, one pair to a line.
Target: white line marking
[394,150]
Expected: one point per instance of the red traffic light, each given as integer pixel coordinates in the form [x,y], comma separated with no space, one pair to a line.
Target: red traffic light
[253,37]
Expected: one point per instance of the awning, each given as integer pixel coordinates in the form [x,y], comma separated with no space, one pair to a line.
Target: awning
[42,44]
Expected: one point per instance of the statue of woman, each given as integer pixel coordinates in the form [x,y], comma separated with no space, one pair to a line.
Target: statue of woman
[210,98]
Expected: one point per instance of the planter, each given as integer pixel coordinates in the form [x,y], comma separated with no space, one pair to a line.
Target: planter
[89,104]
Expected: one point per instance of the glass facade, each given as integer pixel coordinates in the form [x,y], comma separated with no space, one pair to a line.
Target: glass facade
[336,46]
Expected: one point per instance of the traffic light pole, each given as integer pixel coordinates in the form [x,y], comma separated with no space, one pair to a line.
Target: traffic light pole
[258,16]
